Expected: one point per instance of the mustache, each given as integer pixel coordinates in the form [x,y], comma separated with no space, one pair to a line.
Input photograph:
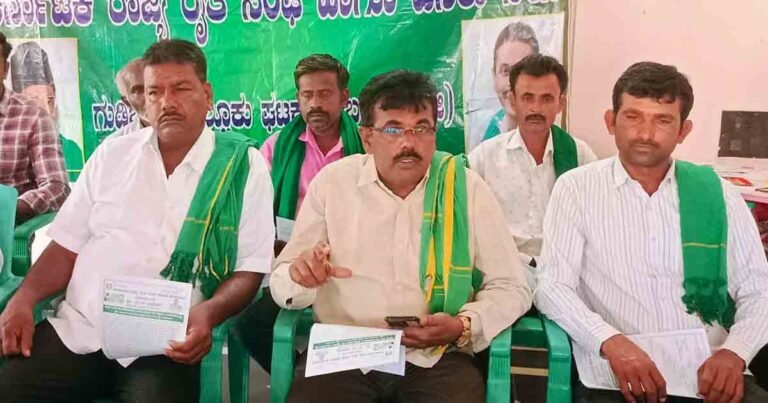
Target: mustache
[535,117]
[169,115]
[645,143]
[317,112]
[412,154]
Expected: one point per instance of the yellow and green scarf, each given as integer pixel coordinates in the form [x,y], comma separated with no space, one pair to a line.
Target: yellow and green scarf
[447,276]
[206,251]
[704,234]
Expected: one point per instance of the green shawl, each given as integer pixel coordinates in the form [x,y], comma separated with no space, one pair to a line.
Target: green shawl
[565,155]
[704,234]
[206,250]
[288,157]
[445,268]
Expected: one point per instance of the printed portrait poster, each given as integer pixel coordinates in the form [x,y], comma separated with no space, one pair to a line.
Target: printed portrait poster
[490,47]
[46,71]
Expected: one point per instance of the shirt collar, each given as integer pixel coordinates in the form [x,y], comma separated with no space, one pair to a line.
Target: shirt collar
[309,138]
[5,101]
[516,141]
[197,157]
[621,176]
[370,175]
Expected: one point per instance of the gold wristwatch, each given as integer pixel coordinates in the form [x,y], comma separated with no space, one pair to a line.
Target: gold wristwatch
[466,335]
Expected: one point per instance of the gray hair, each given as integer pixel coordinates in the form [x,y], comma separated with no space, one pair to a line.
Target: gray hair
[120,77]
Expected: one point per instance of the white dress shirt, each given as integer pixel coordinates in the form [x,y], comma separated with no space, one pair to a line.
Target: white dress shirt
[521,186]
[377,235]
[132,127]
[612,262]
[124,216]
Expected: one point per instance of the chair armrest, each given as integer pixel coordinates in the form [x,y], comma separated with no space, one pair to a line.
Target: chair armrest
[498,389]
[559,380]
[239,368]
[527,332]
[210,368]
[21,259]
[283,354]
[26,229]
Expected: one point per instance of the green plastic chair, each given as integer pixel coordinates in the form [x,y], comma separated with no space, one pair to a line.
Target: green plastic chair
[291,323]
[541,332]
[22,241]
[8,282]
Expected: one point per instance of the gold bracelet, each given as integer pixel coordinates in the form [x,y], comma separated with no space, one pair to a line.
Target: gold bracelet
[466,335]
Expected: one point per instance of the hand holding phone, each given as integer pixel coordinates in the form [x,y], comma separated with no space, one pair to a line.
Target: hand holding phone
[400,322]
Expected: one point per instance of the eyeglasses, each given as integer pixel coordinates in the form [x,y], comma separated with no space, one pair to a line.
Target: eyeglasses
[418,131]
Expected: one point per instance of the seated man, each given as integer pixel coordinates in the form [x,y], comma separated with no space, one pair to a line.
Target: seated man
[139,210]
[130,83]
[642,243]
[321,134]
[360,252]
[31,76]
[31,157]
[521,165]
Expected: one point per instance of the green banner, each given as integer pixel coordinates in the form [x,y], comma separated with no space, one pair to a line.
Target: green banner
[252,47]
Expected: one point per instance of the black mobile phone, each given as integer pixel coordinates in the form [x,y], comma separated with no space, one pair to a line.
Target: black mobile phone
[402,321]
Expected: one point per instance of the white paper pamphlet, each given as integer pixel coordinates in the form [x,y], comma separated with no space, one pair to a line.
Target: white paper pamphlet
[677,354]
[395,368]
[336,348]
[140,316]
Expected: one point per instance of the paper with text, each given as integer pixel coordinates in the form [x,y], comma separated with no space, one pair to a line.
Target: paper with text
[677,354]
[140,316]
[336,348]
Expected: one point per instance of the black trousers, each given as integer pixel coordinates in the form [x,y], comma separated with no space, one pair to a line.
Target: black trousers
[53,373]
[255,327]
[456,378]
[759,367]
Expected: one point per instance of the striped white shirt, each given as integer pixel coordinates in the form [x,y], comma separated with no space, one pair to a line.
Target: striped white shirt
[612,262]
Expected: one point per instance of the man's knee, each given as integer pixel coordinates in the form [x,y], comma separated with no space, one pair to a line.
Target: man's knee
[455,378]
[51,371]
[159,379]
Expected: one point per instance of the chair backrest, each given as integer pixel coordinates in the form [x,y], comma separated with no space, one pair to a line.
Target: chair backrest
[8,197]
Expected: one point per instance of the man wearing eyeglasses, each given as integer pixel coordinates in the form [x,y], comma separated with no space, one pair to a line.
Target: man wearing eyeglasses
[521,165]
[397,232]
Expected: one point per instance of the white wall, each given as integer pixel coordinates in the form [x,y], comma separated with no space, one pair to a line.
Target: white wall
[722,46]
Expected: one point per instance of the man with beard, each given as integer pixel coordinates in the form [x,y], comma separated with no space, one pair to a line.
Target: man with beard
[642,243]
[365,244]
[130,84]
[321,134]
[521,165]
